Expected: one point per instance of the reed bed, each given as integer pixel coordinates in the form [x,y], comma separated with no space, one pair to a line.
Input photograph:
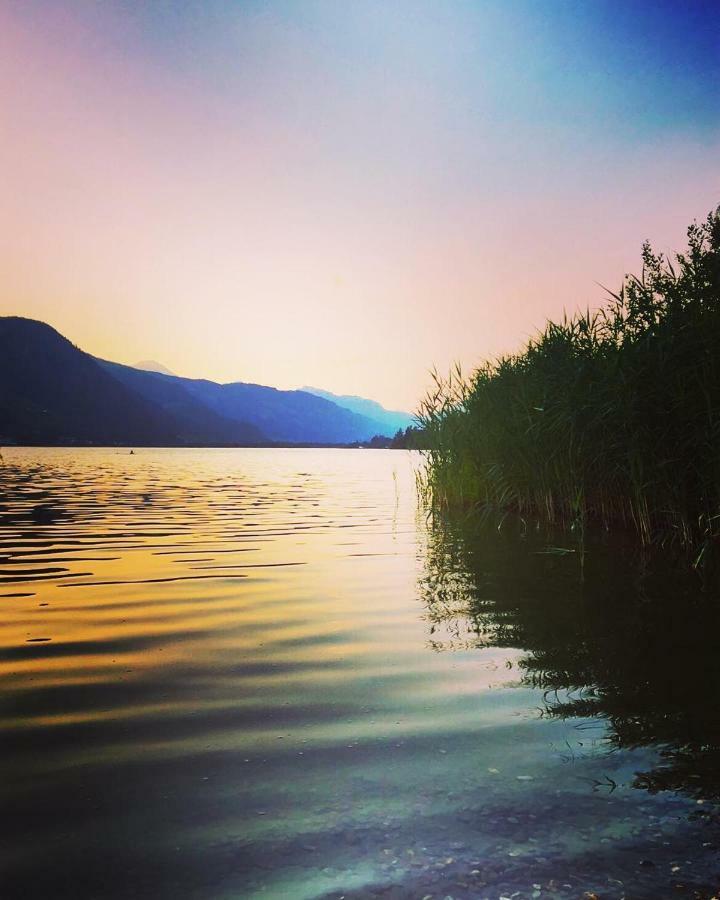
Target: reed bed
[609,417]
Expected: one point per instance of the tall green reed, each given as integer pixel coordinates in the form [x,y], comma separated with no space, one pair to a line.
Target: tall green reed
[610,417]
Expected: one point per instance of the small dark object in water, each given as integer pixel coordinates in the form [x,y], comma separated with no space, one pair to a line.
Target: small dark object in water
[646,862]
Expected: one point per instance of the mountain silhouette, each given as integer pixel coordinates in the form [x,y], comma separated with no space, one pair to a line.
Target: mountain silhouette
[51,392]
[283,416]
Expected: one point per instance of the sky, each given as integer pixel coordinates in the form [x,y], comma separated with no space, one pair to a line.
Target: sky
[343,193]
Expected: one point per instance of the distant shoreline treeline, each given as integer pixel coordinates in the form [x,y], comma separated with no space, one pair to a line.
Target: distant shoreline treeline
[411,438]
[610,417]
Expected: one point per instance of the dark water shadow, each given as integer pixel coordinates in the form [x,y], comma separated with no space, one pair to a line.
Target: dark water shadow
[627,638]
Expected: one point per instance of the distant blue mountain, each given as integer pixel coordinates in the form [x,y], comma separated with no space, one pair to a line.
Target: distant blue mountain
[391,420]
[296,417]
[51,392]
[152,365]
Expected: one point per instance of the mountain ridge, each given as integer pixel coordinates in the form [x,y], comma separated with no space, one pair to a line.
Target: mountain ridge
[283,416]
[52,392]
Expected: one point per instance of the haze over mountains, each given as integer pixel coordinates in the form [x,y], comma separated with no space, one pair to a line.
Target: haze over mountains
[51,392]
[391,419]
[152,365]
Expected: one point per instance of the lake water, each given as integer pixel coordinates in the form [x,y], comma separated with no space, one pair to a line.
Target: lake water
[263,673]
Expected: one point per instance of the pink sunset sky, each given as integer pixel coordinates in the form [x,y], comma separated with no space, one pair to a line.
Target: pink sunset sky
[340,194]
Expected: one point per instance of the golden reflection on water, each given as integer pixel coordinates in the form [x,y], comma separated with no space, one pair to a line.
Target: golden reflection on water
[245,580]
[212,661]
[164,556]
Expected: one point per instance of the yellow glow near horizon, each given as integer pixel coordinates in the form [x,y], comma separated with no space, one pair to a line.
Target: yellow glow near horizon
[296,196]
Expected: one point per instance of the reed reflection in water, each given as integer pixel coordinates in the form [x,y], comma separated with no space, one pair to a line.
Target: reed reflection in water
[240,673]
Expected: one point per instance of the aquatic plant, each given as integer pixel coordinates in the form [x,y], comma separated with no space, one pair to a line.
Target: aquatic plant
[610,417]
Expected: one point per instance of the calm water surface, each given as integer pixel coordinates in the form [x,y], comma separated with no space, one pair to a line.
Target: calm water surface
[261,673]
